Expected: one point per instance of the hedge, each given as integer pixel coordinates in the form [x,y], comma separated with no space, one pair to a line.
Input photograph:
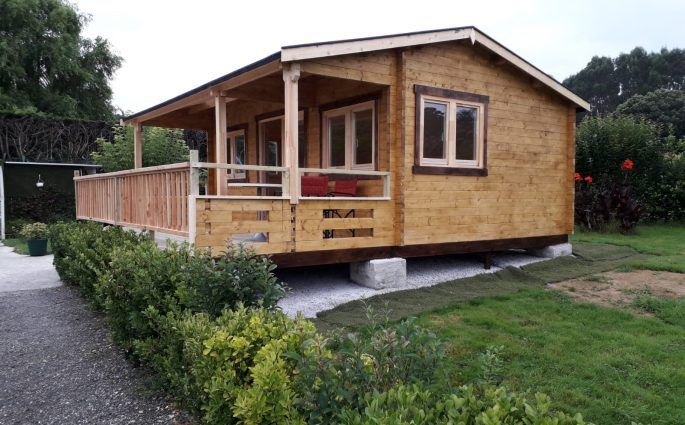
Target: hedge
[211,329]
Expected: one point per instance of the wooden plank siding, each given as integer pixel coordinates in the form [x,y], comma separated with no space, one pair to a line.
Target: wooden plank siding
[528,189]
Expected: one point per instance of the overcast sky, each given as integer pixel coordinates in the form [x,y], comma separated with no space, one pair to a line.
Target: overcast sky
[172,46]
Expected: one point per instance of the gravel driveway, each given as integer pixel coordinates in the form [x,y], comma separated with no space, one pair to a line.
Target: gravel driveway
[58,366]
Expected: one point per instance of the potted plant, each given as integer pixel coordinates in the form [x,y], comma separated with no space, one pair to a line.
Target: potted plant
[36,235]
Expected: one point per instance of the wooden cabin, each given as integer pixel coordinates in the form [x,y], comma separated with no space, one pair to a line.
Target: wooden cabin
[404,145]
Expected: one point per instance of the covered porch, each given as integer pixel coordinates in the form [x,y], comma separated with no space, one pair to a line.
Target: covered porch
[298,160]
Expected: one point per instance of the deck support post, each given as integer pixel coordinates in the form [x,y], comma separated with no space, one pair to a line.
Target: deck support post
[291,76]
[220,128]
[137,145]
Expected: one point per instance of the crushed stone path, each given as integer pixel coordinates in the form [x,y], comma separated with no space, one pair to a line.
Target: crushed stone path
[58,365]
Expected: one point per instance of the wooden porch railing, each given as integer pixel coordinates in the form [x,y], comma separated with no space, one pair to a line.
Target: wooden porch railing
[153,198]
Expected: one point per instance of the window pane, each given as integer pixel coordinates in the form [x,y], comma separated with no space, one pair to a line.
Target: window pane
[301,144]
[434,125]
[467,120]
[336,141]
[272,154]
[240,151]
[363,137]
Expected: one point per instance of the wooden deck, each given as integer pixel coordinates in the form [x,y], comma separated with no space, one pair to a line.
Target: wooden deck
[166,199]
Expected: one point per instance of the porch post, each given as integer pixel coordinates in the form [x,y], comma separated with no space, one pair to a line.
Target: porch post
[291,75]
[137,145]
[220,141]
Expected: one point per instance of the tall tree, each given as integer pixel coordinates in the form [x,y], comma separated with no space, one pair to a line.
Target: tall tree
[665,107]
[47,66]
[607,82]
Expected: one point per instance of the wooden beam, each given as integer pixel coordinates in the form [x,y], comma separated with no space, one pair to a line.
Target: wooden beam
[137,145]
[291,76]
[220,126]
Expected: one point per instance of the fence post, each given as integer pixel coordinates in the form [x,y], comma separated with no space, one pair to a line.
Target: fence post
[194,173]
[117,200]
[192,194]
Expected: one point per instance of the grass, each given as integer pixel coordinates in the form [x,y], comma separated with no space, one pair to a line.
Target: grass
[613,366]
[20,246]
[665,243]
[610,365]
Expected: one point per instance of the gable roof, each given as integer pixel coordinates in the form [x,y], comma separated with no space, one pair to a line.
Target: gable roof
[299,52]
[369,44]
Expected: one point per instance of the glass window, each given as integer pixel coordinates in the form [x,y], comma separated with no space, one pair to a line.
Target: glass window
[363,137]
[301,144]
[336,139]
[272,153]
[434,126]
[350,139]
[466,133]
[240,149]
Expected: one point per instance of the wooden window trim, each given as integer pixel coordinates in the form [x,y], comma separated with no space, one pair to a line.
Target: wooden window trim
[280,113]
[421,92]
[347,109]
[375,97]
[232,176]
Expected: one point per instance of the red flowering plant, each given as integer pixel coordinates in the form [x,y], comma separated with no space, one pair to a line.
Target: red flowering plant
[601,206]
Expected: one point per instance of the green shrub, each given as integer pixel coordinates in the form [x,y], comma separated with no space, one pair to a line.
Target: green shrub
[13,227]
[83,252]
[405,405]
[239,276]
[335,373]
[34,231]
[231,369]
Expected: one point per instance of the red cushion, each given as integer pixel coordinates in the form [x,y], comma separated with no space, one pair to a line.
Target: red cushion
[314,185]
[345,188]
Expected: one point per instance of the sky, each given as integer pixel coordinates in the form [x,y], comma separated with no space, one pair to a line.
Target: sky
[172,46]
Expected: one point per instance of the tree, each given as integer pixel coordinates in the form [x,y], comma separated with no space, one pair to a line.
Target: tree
[607,82]
[160,146]
[665,107]
[47,66]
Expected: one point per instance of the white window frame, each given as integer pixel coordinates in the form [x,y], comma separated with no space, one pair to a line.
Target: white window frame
[348,113]
[450,133]
[262,150]
[230,144]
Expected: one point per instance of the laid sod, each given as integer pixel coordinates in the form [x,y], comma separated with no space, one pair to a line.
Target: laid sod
[608,364]
[612,365]
[589,259]
[20,246]
[666,243]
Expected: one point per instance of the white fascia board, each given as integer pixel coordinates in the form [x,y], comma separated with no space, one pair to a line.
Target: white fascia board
[289,54]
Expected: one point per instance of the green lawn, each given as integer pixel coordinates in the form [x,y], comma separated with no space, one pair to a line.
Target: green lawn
[666,244]
[20,246]
[613,366]
[608,364]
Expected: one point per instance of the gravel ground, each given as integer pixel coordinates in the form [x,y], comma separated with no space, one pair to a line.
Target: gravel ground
[316,289]
[58,366]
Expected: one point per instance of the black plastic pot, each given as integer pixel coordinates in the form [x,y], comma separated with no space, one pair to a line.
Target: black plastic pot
[37,247]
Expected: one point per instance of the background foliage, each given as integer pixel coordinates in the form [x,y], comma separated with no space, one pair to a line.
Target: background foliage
[607,82]
[47,66]
[160,146]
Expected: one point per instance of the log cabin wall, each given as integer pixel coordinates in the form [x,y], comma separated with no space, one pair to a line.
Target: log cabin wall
[530,149]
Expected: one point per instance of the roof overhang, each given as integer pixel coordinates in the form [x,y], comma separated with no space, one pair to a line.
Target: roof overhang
[361,45]
[56,164]
[301,52]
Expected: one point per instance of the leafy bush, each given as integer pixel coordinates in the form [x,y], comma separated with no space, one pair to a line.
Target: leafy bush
[412,405]
[13,227]
[160,146]
[231,369]
[83,252]
[602,143]
[34,231]
[49,205]
[335,372]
